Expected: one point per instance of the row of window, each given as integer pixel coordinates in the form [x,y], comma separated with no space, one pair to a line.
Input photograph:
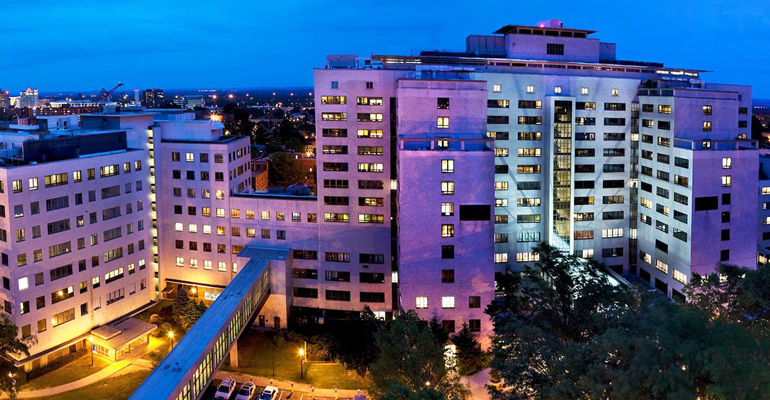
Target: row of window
[69,315]
[204,157]
[497,88]
[60,179]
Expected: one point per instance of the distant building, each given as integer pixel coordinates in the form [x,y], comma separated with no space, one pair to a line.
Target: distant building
[192,101]
[4,102]
[28,98]
[153,98]
[259,170]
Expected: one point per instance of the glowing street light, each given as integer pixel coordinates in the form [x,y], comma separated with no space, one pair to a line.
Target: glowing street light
[171,336]
[301,361]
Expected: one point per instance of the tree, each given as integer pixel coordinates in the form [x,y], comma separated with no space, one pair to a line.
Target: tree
[469,355]
[284,171]
[11,345]
[411,364]
[437,328]
[179,305]
[565,332]
[352,342]
[733,294]
[191,313]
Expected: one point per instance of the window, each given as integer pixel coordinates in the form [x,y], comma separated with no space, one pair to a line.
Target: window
[706,126]
[707,110]
[448,302]
[447,251]
[442,122]
[447,209]
[530,89]
[447,166]
[447,276]
[615,92]
[557,89]
[447,187]
[661,266]
[421,302]
[727,162]
[727,180]
[442,103]
[447,230]
[554,49]
[496,88]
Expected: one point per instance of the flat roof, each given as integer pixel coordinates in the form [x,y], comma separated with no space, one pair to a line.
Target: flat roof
[117,335]
[512,28]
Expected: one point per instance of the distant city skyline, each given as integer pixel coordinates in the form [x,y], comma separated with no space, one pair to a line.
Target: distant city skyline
[144,44]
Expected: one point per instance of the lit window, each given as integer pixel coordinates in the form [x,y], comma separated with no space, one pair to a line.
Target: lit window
[32,183]
[180,261]
[530,89]
[448,302]
[661,266]
[496,88]
[447,209]
[679,276]
[727,162]
[447,230]
[207,229]
[421,302]
[615,92]
[23,283]
[706,110]
[220,194]
[557,90]
[447,166]
[264,215]
[727,181]
[501,258]
[179,227]
[189,157]
[706,126]
[442,122]
[192,228]
[584,90]
[222,266]
[500,185]
[447,187]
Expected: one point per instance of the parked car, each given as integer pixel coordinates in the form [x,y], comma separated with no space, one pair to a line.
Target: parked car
[247,392]
[269,393]
[225,389]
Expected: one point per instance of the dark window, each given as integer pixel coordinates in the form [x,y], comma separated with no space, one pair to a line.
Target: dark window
[726,199]
[707,203]
[474,302]
[447,251]
[725,216]
[661,246]
[474,325]
[724,255]
[371,297]
[337,295]
[442,103]
[555,49]
[725,234]
[475,213]
[447,276]
[501,169]
[306,292]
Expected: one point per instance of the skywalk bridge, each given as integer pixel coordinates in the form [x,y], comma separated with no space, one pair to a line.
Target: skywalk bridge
[190,366]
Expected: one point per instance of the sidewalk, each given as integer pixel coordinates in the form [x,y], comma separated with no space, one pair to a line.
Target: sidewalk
[132,359]
[306,389]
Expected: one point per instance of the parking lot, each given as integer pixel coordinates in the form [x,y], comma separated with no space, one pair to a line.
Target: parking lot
[282,394]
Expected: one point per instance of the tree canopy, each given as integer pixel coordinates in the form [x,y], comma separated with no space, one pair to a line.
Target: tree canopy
[411,364]
[11,344]
[565,331]
[284,171]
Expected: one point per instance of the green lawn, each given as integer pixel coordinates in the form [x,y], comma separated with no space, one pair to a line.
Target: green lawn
[75,370]
[114,388]
[256,354]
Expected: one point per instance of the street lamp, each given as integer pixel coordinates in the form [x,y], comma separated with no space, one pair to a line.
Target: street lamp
[171,335]
[301,361]
[91,339]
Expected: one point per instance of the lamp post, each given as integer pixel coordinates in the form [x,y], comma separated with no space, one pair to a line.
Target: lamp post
[91,339]
[171,335]
[301,362]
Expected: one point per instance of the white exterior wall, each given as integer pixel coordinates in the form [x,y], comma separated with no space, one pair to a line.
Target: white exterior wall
[94,299]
